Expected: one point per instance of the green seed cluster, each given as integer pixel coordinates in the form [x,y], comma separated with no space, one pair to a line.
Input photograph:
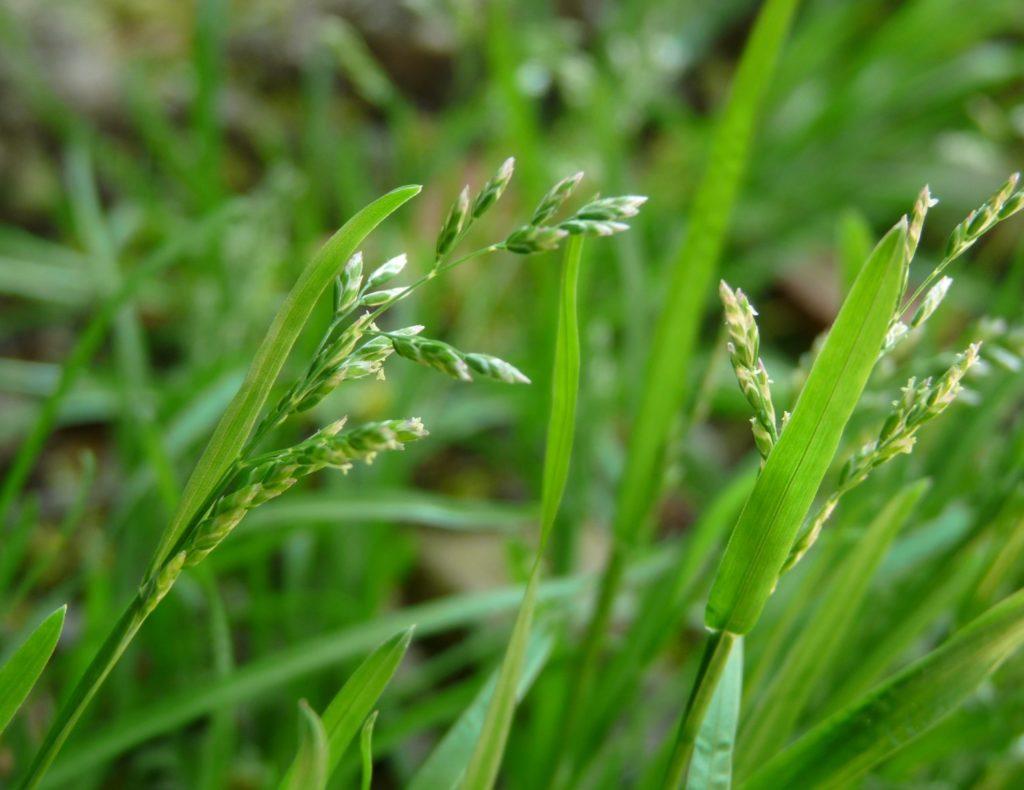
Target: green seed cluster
[1002,205]
[449,360]
[600,217]
[272,475]
[919,403]
[744,346]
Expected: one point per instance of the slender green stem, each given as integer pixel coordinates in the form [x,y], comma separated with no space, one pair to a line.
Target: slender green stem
[109,654]
[708,676]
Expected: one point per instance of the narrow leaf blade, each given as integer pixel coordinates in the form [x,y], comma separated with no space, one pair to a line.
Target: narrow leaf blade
[21,671]
[711,766]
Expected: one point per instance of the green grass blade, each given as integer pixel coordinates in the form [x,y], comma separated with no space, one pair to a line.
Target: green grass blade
[711,766]
[310,767]
[842,748]
[785,490]
[486,760]
[20,672]
[693,270]
[235,426]
[366,750]
[446,765]
[349,709]
[768,728]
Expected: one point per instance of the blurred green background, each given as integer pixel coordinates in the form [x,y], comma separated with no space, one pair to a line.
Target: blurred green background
[213,145]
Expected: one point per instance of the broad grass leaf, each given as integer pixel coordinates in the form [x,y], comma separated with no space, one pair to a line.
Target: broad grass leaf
[848,744]
[785,489]
[711,765]
[21,671]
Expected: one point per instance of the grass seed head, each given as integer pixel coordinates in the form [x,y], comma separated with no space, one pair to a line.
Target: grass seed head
[347,285]
[744,346]
[454,224]
[493,189]
[931,302]
[531,239]
[386,272]
[553,200]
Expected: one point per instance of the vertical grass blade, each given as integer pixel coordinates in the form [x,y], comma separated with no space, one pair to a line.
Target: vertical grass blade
[310,771]
[810,655]
[842,748]
[785,490]
[486,760]
[357,698]
[234,427]
[20,672]
[711,766]
[693,270]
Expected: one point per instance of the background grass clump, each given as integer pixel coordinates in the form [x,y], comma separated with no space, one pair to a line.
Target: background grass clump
[736,494]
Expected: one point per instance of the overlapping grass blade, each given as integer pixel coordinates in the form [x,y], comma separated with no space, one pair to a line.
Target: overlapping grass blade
[764,534]
[309,770]
[19,673]
[447,763]
[778,709]
[486,759]
[711,766]
[349,709]
[842,748]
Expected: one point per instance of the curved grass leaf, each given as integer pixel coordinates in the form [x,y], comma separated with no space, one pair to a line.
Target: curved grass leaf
[810,655]
[310,767]
[235,426]
[20,672]
[486,760]
[847,745]
[711,765]
[349,709]
[785,489]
